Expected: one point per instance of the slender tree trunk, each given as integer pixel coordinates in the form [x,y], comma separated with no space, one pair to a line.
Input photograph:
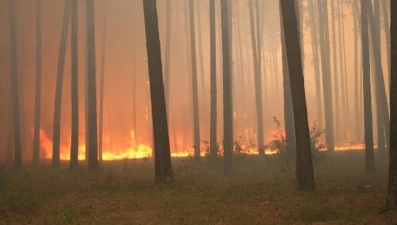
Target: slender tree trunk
[227,90]
[326,72]
[369,146]
[37,108]
[258,81]
[213,116]
[288,110]
[391,198]
[335,72]
[163,170]
[356,75]
[201,57]
[134,91]
[386,27]
[102,82]
[74,147]
[196,120]
[92,110]
[59,87]
[304,165]
[316,61]
[379,84]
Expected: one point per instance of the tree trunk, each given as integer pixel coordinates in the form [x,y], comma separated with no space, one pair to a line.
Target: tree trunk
[37,108]
[326,72]
[196,120]
[227,90]
[386,27]
[369,146]
[213,116]
[102,82]
[92,110]
[391,198]
[74,147]
[356,75]
[163,170]
[258,81]
[379,81]
[335,72]
[59,87]
[316,61]
[304,165]
[288,110]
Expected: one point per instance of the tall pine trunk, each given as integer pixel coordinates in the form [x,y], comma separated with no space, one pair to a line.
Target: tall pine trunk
[304,165]
[102,83]
[213,113]
[37,107]
[162,156]
[74,147]
[227,89]
[326,73]
[391,197]
[335,72]
[196,120]
[92,110]
[369,145]
[59,88]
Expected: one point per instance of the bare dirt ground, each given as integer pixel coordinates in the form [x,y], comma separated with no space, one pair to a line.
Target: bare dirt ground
[260,191]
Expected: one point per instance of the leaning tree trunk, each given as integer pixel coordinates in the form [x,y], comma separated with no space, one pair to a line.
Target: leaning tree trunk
[391,198]
[162,156]
[196,120]
[92,110]
[304,165]
[369,145]
[227,90]
[37,113]
[102,83]
[213,114]
[59,87]
[74,147]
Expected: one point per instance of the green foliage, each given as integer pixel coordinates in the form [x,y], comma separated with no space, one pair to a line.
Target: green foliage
[243,147]
[20,200]
[3,178]
[67,216]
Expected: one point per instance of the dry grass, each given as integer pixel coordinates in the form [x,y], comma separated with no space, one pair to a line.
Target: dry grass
[260,191]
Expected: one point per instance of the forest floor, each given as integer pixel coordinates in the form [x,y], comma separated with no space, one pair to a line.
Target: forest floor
[260,191]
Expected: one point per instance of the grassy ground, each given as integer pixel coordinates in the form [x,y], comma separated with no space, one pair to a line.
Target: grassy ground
[260,191]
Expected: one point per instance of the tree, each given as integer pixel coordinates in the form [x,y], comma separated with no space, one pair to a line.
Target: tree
[369,144]
[74,147]
[14,87]
[92,111]
[227,90]
[162,156]
[391,198]
[102,83]
[196,120]
[304,165]
[59,87]
[37,113]
[213,114]
[288,111]
[256,52]
[326,73]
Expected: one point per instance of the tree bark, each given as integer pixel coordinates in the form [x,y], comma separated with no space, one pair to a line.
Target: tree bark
[37,108]
[304,165]
[227,90]
[162,156]
[213,114]
[391,198]
[196,120]
[74,147]
[59,87]
[369,146]
[258,81]
[92,106]
[335,72]
[326,72]
[102,83]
